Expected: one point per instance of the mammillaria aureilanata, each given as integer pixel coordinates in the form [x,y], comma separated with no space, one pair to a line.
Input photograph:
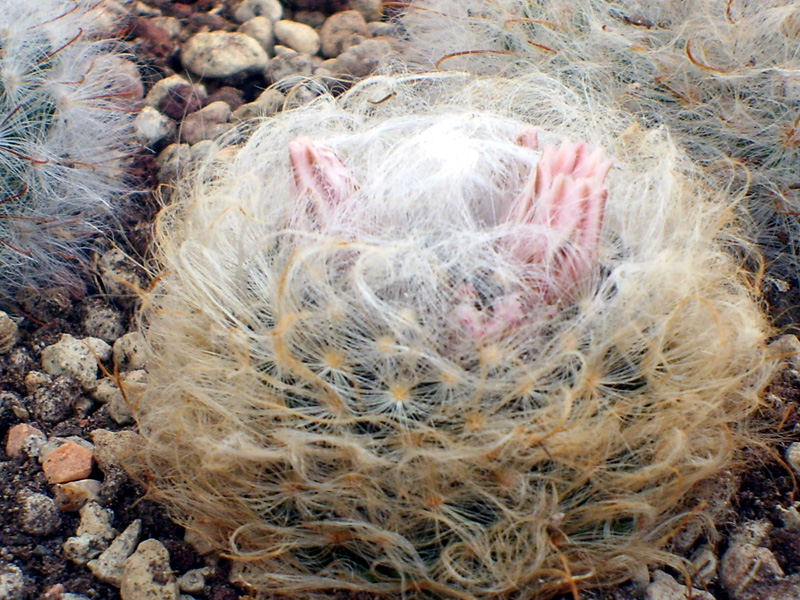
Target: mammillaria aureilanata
[426,338]
[67,100]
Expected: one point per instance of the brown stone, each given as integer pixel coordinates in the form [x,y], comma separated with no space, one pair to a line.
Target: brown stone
[16,438]
[69,462]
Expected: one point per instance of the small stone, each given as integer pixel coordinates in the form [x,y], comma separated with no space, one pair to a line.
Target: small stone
[36,379]
[248,9]
[54,401]
[268,103]
[8,333]
[793,456]
[171,162]
[20,435]
[152,127]
[231,96]
[287,63]
[371,10]
[176,96]
[38,514]
[204,124]
[297,36]
[361,60]
[665,587]
[100,349]
[220,54]
[73,495]
[92,536]
[130,352]
[108,566]
[194,581]
[115,448]
[261,30]
[12,582]
[745,565]
[101,320]
[121,277]
[73,357]
[341,31]
[118,405]
[68,462]
[147,574]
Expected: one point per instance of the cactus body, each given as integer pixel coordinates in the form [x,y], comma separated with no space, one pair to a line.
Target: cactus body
[66,110]
[358,382]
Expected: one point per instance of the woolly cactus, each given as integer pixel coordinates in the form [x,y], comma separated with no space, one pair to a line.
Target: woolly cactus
[66,110]
[421,339]
[722,75]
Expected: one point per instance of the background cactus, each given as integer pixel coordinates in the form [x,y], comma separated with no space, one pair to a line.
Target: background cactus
[723,76]
[67,99]
[367,372]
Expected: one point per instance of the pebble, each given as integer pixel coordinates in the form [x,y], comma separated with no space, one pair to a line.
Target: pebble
[171,162]
[176,96]
[118,405]
[297,36]
[261,30]
[206,123]
[194,581]
[21,435]
[108,566]
[93,535]
[101,320]
[147,574]
[100,349]
[8,333]
[361,60]
[745,565]
[53,400]
[12,582]
[793,456]
[152,127]
[121,277]
[268,103]
[130,352]
[68,462]
[341,31]
[665,587]
[73,495]
[71,356]
[115,448]
[287,63]
[221,54]
[371,10]
[9,401]
[272,9]
[37,514]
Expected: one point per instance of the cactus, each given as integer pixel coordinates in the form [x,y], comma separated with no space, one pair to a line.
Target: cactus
[66,110]
[420,339]
[721,75]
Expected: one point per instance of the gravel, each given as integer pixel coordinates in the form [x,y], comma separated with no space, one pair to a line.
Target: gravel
[80,526]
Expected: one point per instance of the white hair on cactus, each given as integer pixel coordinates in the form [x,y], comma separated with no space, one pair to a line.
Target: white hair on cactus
[723,76]
[66,109]
[420,338]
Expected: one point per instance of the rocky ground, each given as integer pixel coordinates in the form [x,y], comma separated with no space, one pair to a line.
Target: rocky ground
[75,525]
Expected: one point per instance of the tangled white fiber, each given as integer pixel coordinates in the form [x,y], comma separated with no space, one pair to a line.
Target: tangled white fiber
[722,75]
[67,103]
[379,364]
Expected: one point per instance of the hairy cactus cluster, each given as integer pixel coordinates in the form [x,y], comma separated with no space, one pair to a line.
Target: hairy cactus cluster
[426,339]
[723,76]
[66,108]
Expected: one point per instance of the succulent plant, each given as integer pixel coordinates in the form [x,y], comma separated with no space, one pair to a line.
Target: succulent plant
[66,108]
[420,339]
[723,76]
